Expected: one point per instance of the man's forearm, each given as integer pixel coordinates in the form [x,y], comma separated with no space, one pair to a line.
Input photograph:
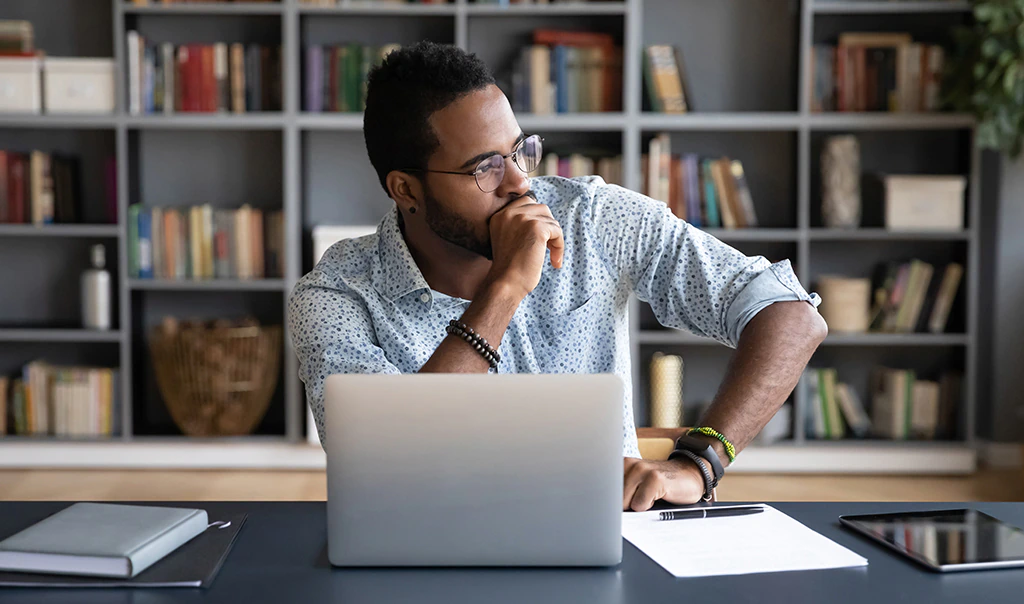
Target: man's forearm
[773,350]
[489,316]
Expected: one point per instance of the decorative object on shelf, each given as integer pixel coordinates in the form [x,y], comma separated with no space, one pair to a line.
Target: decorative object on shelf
[666,391]
[840,182]
[985,75]
[20,84]
[924,203]
[216,379]
[96,295]
[78,85]
[845,303]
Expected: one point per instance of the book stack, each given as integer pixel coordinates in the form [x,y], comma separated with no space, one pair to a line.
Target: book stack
[61,401]
[902,406]
[910,297]
[706,192]
[200,242]
[336,75]
[567,72]
[665,82]
[39,188]
[876,72]
[579,164]
[168,78]
[17,38]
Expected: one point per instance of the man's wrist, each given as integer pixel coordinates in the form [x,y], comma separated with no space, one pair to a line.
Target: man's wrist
[500,290]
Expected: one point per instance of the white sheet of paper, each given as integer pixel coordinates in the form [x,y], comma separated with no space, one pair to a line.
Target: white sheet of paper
[759,543]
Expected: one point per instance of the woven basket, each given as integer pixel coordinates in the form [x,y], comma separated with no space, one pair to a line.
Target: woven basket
[216,381]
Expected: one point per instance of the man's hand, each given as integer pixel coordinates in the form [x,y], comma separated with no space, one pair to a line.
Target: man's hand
[520,232]
[678,482]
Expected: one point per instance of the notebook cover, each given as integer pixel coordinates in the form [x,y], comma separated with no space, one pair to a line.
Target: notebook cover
[195,564]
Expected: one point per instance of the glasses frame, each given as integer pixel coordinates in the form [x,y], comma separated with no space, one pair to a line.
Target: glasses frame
[514,154]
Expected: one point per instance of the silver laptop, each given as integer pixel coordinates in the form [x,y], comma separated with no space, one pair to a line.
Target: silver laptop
[474,470]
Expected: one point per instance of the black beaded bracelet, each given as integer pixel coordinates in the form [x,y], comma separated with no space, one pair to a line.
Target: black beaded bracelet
[475,340]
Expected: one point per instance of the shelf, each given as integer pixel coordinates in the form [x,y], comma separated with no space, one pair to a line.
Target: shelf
[567,122]
[720,121]
[825,234]
[69,121]
[331,121]
[211,8]
[218,121]
[907,6]
[755,234]
[257,285]
[595,8]
[372,8]
[890,121]
[43,334]
[878,457]
[897,339]
[58,230]
[672,337]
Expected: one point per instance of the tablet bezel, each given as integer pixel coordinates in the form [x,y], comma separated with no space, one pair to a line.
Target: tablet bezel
[850,521]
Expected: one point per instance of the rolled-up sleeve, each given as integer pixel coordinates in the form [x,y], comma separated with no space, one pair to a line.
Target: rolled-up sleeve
[692,280]
[331,333]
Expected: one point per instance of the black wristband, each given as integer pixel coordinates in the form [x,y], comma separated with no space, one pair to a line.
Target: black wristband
[709,482]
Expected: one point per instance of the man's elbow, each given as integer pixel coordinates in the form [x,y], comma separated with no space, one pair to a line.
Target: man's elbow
[815,326]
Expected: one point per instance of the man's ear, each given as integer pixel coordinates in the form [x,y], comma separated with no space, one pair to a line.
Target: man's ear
[406,190]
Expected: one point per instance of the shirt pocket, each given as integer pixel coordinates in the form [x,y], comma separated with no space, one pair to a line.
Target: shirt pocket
[567,342]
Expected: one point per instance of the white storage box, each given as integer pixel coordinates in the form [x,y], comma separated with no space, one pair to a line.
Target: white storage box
[77,85]
[924,203]
[19,85]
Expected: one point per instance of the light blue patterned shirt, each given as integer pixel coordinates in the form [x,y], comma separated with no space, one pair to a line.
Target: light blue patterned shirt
[365,307]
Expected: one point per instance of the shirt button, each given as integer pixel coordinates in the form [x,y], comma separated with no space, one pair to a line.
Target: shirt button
[424,297]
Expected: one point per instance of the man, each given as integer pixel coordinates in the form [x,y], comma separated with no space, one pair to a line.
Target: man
[542,270]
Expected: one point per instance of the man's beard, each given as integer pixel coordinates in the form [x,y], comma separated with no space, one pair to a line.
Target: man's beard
[454,228]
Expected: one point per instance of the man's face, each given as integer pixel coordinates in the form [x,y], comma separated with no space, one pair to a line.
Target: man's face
[471,129]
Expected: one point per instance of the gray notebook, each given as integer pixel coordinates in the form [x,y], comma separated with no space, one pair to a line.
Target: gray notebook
[101,539]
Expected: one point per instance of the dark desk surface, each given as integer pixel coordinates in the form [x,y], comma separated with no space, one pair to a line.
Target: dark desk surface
[281,556]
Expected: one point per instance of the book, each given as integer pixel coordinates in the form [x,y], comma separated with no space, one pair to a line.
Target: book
[101,540]
[853,410]
[944,299]
[664,77]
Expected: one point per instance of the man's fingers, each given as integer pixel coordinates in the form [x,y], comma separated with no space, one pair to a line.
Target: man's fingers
[630,482]
[556,243]
[646,494]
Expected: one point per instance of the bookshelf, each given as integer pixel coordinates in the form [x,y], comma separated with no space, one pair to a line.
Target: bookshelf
[746,66]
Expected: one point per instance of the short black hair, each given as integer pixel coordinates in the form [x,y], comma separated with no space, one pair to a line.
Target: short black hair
[404,91]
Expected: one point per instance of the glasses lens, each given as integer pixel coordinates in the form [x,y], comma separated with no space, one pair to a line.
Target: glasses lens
[490,173]
[529,153]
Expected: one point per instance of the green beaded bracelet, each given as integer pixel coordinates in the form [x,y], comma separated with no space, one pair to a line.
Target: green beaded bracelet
[730,450]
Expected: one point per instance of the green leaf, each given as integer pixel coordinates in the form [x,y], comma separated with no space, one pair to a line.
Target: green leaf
[1010,78]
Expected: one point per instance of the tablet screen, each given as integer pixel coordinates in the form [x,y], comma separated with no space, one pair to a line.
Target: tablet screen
[946,537]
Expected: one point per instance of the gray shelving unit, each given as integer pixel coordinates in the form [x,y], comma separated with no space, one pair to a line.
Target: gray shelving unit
[746,65]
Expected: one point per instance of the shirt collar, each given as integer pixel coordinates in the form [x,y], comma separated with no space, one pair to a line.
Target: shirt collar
[398,275]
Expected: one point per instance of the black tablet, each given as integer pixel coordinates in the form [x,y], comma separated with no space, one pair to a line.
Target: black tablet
[945,540]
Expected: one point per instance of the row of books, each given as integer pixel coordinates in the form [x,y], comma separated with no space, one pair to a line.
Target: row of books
[706,192]
[876,72]
[17,38]
[168,78]
[665,81]
[147,2]
[336,2]
[61,401]
[578,164]
[336,75]
[902,406]
[567,72]
[912,297]
[39,188]
[200,242]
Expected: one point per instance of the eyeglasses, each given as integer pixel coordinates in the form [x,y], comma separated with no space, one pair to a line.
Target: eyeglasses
[490,172]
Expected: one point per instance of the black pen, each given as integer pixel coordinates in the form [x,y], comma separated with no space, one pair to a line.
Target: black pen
[710,513]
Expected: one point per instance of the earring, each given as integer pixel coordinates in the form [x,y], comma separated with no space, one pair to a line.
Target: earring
[412,210]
